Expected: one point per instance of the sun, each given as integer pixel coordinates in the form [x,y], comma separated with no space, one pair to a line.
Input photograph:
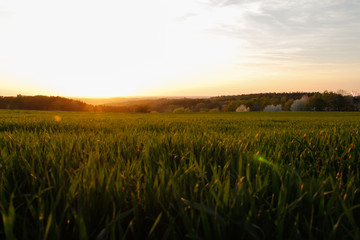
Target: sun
[126,50]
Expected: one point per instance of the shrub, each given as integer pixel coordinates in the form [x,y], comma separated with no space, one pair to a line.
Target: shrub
[270,108]
[299,104]
[242,108]
[179,110]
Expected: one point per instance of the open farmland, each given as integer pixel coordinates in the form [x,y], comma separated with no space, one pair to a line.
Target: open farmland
[255,175]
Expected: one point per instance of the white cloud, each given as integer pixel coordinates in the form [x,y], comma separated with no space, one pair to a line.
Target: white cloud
[319,30]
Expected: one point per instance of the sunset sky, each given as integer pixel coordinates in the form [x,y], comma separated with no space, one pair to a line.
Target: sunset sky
[178,47]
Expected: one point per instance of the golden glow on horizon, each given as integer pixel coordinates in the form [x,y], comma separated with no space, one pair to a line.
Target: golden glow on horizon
[174,47]
[134,58]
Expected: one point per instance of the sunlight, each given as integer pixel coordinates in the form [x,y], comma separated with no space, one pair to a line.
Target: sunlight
[139,47]
[116,53]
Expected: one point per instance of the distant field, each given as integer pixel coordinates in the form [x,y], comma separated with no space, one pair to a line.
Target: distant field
[254,175]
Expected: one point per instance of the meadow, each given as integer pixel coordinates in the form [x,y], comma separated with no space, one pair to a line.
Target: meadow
[253,175]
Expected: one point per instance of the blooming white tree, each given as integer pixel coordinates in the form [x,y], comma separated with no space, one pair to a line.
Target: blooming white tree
[299,104]
[242,108]
[271,108]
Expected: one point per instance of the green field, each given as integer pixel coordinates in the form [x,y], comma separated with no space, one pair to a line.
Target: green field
[255,175]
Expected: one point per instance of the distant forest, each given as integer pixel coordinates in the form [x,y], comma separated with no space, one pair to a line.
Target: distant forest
[298,101]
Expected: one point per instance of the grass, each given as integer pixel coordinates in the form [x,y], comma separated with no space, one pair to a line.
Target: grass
[249,175]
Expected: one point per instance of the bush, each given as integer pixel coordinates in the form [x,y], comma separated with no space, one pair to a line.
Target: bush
[270,108]
[204,109]
[299,104]
[179,110]
[242,108]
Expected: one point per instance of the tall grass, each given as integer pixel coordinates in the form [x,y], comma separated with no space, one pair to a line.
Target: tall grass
[175,176]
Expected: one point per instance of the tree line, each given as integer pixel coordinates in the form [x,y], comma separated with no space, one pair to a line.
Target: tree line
[298,101]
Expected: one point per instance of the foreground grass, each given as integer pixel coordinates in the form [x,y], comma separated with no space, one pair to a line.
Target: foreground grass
[168,176]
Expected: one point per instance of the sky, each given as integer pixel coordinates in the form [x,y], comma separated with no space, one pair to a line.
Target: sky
[178,47]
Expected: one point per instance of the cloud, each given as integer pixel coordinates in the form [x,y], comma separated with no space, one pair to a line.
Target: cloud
[305,31]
